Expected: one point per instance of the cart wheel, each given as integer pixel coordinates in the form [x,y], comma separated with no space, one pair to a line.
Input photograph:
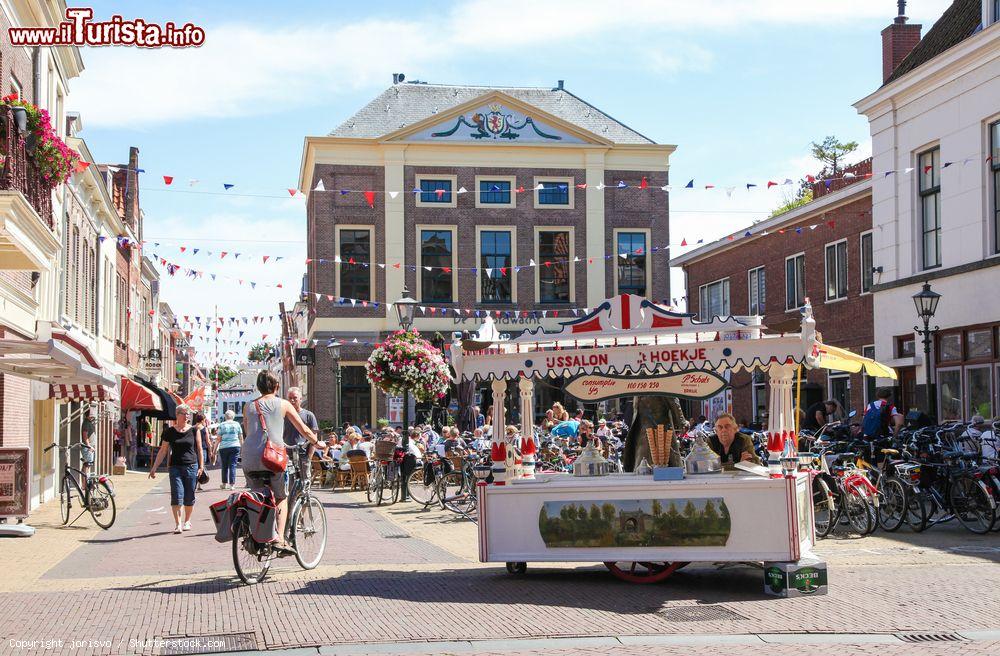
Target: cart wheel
[638,572]
[517,569]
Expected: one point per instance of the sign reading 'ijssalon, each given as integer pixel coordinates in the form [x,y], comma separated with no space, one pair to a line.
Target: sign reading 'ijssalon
[694,385]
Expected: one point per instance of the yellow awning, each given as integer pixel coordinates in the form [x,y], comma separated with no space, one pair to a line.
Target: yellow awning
[838,359]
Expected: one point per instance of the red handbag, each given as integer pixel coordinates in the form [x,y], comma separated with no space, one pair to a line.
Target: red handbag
[274,458]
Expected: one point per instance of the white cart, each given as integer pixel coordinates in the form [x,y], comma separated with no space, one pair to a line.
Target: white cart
[642,529]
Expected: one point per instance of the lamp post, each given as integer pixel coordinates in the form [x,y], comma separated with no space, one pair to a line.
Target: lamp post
[333,349]
[927,302]
[404,312]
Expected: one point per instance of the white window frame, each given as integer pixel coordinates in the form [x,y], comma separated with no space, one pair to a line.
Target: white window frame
[966,397]
[419,177]
[513,260]
[861,260]
[961,382]
[703,293]
[752,287]
[572,264]
[336,252]
[836,262]
[512,179]
[649,261]
[417,255]
[785,294]
[571,189]
[865,376]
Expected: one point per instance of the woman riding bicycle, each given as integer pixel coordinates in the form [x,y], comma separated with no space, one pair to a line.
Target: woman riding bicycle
[264,420]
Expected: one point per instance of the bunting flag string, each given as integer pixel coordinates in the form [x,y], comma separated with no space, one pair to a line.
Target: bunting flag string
[643,185]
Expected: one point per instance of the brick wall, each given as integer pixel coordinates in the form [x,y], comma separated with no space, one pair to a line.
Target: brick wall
[845,323]
[860,171]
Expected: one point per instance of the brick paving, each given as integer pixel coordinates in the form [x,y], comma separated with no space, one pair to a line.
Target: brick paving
[400,576]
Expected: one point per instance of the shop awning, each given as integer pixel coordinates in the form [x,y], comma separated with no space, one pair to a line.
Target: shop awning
[838,359]
[136,396]
[73,393]
[56,358]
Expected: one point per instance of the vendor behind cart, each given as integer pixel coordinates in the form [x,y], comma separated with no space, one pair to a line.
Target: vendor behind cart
[731,445]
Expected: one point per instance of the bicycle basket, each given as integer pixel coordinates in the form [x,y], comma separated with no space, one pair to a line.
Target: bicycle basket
[384,449]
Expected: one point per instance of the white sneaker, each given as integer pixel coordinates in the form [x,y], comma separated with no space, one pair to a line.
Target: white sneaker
[178,529]
[187,526]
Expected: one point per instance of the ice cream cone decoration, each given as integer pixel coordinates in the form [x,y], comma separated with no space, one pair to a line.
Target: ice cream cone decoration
[528,456]
[498,455]
[660,439]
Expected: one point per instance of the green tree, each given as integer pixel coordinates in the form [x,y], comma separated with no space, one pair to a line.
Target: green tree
[595,514]
[221,374]
[803,195]
[657,508]
[832,151]
[608,512]
[672,514]
[710,514]
[690,512]
[261,352]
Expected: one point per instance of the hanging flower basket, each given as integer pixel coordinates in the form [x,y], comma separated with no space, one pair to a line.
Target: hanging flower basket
[407,362]
[55,160]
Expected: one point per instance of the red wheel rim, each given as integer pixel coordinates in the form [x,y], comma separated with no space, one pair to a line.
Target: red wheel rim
[642,572]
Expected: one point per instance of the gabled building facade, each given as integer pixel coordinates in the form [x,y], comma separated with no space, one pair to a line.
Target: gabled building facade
[480,200]
[935,125]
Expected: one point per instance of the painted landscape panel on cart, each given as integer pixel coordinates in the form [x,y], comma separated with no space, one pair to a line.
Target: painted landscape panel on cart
[698,522]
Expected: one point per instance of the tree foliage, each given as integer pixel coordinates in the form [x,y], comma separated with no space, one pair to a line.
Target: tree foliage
[832,151]
[221,374]
[261,352]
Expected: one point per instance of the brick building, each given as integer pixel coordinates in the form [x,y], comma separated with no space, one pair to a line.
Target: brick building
[821,251]
[471,188]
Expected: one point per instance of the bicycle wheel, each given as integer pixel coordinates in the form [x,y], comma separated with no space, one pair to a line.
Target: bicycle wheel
[102,505]
[394,487]
[251,565]
[65,501]
[420,493]
[824,508]
[892,503]
[374,483]
[309,532]
[917,506]
[455,493]
[972,503]
[856,506]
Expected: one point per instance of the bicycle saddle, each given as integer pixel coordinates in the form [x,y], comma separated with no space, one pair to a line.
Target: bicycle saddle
[891,452]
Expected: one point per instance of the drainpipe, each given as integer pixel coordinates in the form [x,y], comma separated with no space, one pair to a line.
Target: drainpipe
[36,71]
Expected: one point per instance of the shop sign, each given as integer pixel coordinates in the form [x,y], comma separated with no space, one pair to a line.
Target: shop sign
[693,385]
[13,482]
[395,404]
[305,356]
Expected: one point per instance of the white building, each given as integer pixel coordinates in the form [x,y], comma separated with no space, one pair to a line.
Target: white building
[935,127]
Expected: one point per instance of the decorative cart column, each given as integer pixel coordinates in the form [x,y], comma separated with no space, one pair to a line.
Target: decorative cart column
[498,447]
[527,393]
[781,415]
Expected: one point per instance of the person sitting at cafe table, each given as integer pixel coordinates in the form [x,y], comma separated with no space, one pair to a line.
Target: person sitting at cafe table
[731,446]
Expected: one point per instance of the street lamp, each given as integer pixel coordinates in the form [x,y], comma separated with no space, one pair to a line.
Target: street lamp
[927,302]
[333,349]
[404,312]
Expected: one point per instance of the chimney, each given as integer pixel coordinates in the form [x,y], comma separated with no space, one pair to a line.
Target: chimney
[559,85]
[897,41]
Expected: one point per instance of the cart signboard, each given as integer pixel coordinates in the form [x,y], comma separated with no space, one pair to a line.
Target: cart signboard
[13,483]
[694,385]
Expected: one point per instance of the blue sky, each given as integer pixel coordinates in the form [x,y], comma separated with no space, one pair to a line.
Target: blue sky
[740,86]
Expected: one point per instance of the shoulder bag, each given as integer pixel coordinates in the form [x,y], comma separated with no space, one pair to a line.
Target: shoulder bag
[274,458]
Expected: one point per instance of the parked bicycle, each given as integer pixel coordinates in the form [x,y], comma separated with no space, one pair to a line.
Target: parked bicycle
[96,494]
[305,530]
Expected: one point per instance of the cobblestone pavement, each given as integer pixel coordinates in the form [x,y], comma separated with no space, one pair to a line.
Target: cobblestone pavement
[395,578]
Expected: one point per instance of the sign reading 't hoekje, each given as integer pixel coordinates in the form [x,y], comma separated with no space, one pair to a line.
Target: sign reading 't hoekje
[695,385]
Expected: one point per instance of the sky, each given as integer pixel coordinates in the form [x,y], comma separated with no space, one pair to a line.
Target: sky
[741,87]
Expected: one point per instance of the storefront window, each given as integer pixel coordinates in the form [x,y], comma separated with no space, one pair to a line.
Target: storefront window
[980,343]
[979,385]
[950,347]
[950,394]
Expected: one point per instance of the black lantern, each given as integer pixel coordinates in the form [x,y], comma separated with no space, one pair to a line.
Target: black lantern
[404,310]
[926,302]
[333,350]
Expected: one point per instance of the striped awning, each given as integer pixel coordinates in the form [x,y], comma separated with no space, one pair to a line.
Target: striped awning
[74,393]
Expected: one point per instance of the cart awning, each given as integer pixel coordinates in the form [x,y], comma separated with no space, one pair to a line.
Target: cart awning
[838,359]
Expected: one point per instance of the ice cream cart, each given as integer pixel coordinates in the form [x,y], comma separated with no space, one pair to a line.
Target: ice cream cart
[645,529]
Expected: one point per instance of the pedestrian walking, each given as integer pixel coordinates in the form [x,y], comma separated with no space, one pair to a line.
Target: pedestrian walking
[229,443]
[186,465]
[203,439]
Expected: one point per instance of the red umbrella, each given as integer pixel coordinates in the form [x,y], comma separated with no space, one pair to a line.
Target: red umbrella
[138,397]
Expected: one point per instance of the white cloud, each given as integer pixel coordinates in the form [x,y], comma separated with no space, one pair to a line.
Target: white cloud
[247,70]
